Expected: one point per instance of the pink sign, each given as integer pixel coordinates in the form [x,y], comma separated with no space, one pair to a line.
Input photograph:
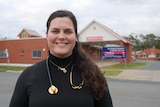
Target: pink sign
[94,38]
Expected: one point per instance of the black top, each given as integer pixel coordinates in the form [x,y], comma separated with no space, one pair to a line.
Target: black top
[32,87]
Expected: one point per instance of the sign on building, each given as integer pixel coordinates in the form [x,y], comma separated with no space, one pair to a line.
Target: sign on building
[94,38]
[113,52]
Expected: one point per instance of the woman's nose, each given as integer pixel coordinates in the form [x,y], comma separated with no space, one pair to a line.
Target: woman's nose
[61,35]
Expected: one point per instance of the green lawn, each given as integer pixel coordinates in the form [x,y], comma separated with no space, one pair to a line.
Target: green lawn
[13,68]
[111,70]
[114,70]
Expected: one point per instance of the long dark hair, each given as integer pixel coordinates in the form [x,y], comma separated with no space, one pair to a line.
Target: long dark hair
[62,13]
[91,74]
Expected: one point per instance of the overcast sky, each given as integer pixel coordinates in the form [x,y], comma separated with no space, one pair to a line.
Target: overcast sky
[122,16]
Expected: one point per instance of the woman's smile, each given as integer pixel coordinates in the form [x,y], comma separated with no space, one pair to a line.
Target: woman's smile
[61,44]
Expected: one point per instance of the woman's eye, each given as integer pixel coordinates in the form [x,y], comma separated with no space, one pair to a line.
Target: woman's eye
[68,32]
[55,31]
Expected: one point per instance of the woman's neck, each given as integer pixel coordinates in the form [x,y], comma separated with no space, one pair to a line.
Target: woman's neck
[61,61]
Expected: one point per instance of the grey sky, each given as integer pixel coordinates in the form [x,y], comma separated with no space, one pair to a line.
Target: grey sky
[122,16]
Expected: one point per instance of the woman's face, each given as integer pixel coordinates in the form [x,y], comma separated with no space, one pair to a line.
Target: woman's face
[61,37]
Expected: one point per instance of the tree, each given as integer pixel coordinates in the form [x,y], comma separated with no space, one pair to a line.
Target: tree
[136,42]
[141,42]
[150,41]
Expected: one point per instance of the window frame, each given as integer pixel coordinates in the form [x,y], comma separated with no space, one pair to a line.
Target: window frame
[36,53]
[3,54]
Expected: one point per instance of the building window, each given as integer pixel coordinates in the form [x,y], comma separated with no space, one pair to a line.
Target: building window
[94,28]
[22,52]
[144,55]
[36,54]
[3,54]
[24,35]
[158,55]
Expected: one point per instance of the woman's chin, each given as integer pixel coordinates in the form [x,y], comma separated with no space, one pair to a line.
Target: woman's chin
[63,54]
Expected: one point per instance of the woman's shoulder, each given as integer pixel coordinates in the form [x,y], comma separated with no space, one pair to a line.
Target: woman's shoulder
[30,73]
[39,66]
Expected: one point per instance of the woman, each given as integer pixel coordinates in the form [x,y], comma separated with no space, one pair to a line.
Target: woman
[67,77]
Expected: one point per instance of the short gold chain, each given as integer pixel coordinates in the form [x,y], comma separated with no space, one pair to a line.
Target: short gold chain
[61,68]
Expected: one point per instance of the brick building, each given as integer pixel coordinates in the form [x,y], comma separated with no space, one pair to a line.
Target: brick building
[149,54]
[31,47]
[95,36]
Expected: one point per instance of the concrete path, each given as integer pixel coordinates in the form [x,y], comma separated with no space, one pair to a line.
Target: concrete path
[151,72]
[146,75]
[15,64]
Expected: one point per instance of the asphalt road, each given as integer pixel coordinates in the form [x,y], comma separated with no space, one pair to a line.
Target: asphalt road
[151,65]
[125,93]
[134,93]
[138,87]
[7,83]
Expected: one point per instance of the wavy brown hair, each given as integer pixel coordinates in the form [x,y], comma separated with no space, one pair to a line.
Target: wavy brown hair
[91,74]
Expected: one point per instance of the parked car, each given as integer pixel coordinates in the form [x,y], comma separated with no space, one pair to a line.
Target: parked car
[133,58]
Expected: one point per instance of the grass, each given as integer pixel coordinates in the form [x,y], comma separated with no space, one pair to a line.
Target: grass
[114,70]
[111,70]
[12,68]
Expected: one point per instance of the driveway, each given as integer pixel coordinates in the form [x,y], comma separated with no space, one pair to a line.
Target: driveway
[152,65]
[150,72]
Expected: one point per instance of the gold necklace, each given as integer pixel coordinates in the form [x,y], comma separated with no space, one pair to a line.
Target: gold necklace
[53,89]
[71,81]
[61,68]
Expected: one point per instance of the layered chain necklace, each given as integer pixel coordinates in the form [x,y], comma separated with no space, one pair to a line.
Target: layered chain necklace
[53,89]
[71,81]
[61,68]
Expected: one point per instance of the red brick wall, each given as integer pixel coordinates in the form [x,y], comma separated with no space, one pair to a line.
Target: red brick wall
[150,51]
[92,52]
[16,46]
[128,52]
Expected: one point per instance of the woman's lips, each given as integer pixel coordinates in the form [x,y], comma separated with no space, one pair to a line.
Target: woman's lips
[61,43]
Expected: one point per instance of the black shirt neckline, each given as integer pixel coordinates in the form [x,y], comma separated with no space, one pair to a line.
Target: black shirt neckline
[61,61]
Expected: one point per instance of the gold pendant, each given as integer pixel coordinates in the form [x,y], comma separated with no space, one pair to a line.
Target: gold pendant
[53,90]
[77,87]
[63,69]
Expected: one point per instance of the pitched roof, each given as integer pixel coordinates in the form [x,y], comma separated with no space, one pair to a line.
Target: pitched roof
[109,30]
[31,32]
